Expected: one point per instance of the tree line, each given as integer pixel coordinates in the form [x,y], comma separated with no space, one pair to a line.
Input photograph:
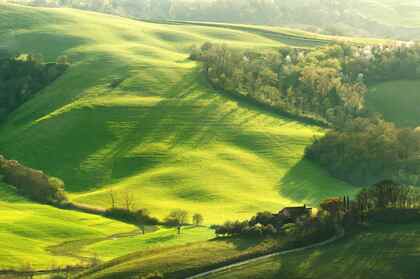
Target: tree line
[304,228]
[123,207]
[367,150]
[309,83]
[39,187]
[386,201]
[328,84]
[22,76]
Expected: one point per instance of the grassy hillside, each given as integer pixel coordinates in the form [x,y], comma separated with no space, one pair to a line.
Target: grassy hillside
[398,101]
[161,133]
[383,251]
[28,231]
[184,261]
[46,237]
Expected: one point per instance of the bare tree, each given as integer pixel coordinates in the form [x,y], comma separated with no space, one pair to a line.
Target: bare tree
[179,218]
[129,202]
[198,219]
[112,196]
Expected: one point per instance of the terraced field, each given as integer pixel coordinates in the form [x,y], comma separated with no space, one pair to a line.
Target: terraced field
[134,114]
[383,251]
[398,101]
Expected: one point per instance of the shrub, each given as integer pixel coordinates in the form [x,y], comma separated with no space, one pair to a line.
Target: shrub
[140,217]
[32,183]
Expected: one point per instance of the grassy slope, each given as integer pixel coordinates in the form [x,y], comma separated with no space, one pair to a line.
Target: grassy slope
[398,101]
[184,261]
[27,230]
[382,252]
[58,237]
[165,237]
[162,134]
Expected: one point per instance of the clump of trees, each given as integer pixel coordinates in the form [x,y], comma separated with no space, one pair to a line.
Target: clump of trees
[388,195]
[22,76]
[328,83]
[31,183]
[309,83]
[384,201]
[304,228]
[366,150]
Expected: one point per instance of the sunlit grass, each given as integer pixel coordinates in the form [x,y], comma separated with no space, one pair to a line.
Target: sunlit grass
[165,237]
[162,133]
[28,229]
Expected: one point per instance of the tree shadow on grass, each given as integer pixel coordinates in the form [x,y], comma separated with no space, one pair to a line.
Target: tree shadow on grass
[160,239]
[308,183]
[241,243]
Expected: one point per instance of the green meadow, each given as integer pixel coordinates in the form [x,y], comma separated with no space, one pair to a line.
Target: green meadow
[134,114]
[28,231]
[41,236]
[381,251]
[397,101]
[162,133]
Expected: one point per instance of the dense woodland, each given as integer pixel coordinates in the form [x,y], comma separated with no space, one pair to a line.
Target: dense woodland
[329,84]
[23,76]
[337,17]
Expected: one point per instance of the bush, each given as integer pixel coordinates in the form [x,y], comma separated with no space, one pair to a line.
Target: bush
[140,217]
[33,184]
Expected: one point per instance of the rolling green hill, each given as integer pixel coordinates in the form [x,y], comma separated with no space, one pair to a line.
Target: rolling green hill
[44,237]
[132,113]
[28,231]
[162,133]
[398,101]
[383,251]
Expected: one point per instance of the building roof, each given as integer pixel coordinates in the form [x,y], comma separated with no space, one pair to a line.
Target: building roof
[296,211]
